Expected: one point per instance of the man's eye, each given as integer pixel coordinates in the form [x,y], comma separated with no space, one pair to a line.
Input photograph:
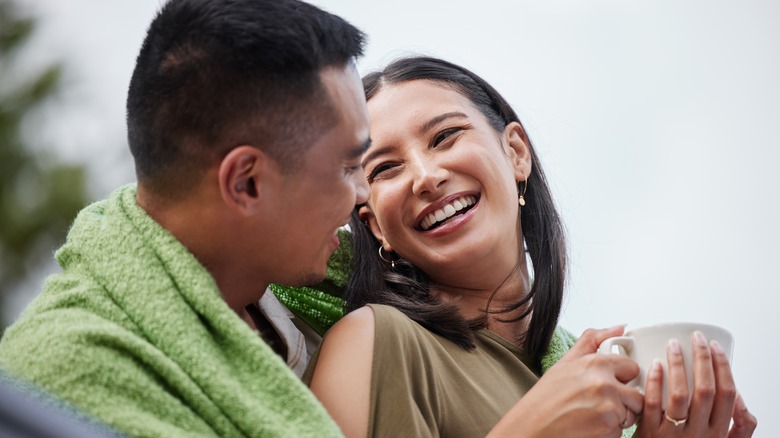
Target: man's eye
[352,169]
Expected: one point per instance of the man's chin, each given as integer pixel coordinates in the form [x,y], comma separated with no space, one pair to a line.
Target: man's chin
[308,279]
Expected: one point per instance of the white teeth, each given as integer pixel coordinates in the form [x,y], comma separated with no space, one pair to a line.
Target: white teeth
[447,211]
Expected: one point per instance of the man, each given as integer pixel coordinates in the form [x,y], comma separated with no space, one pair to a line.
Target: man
[246,120]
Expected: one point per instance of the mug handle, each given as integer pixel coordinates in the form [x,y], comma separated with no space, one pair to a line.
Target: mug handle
[625,344]
[625,347]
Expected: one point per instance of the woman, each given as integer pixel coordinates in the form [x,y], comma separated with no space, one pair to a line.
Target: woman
[455,332]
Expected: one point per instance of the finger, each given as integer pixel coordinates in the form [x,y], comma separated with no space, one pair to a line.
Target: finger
[633,400]
[652,412]
[725,398]
[630,419]
[677,402]
[590,340]
[623,368]
[703,383]
[744,422]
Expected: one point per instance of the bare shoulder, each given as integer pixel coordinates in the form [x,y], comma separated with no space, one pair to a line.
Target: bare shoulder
[350,339]
[358,323]
[342,376]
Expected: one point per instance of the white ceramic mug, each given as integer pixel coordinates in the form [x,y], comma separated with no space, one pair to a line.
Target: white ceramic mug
[648,343]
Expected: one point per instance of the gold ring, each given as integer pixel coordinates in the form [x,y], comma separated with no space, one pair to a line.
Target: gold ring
[675,422]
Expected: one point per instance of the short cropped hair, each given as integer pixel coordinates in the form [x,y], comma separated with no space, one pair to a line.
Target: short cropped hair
[215,74]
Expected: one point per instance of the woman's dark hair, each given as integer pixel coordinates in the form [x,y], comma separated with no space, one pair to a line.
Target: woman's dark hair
[406,288]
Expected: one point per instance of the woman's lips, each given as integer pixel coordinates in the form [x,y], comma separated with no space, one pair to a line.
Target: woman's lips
[437,214]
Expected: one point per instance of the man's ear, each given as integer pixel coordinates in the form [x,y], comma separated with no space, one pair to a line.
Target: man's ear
[368,218]
[241,174]
[518,150]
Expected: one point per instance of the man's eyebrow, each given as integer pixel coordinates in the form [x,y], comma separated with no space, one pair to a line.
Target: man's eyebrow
[360,150]
[440,118]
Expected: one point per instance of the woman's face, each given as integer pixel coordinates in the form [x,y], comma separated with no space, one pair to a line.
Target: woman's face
[443,182]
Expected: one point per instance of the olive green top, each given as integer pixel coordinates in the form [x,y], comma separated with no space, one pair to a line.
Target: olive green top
[424,385]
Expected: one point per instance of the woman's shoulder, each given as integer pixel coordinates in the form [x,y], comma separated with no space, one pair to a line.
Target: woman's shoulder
[341,377]
[357,321]
[380,318]
[390,322]
[385,313]
[383,330]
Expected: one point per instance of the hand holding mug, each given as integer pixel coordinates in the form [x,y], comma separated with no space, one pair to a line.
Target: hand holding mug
[583,395]
[696,394]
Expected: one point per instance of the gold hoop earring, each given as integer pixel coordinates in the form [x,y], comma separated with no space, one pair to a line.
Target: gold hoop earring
[389,262]
[521,199]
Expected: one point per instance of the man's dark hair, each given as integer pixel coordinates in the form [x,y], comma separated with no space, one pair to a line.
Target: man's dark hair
[212,75]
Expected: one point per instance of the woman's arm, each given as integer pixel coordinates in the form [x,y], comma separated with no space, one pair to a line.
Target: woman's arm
[342,376]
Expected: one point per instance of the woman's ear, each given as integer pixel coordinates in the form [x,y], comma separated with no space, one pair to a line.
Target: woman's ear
[368,218]
[518,150]
[241,173]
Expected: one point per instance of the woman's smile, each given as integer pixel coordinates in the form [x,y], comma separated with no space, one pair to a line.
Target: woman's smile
[439,214]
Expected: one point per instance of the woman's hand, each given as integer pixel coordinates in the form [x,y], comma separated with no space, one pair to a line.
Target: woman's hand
[583,395]
[714,401]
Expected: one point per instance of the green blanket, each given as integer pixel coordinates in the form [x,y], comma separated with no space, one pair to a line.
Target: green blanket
[135,333]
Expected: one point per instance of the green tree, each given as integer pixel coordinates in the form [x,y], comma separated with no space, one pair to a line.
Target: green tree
[39,194]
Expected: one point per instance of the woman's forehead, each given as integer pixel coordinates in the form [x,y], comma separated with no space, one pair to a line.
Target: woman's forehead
[412,102]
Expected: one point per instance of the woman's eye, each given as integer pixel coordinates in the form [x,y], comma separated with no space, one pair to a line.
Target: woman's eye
[444,135]
[378,170]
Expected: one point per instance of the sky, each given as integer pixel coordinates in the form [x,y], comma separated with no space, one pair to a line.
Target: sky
[654,121]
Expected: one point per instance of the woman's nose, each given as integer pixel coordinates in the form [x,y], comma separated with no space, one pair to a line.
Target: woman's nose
[429,176]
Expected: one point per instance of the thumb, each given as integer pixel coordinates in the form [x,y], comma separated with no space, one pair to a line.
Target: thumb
[744,423]
[590,340]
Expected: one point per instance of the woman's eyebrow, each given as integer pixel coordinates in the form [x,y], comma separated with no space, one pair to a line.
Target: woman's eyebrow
[440,118]
[423,129]
[375,153]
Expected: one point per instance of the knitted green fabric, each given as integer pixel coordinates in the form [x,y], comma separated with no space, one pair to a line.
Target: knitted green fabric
[135,333]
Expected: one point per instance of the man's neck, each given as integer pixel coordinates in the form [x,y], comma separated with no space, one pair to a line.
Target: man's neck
[199,224]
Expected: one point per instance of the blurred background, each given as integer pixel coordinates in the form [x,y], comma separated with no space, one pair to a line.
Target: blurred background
[655,121]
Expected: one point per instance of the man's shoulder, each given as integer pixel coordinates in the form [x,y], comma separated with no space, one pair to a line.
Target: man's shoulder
[70,301]
[95,364]
[71,327]
[52,340]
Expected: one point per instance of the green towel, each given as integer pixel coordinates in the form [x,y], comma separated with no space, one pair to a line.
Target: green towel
[135,333]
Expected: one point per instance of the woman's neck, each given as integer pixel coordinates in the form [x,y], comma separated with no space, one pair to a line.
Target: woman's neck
[506,290]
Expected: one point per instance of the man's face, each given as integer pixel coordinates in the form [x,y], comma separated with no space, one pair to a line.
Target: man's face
[317,198]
